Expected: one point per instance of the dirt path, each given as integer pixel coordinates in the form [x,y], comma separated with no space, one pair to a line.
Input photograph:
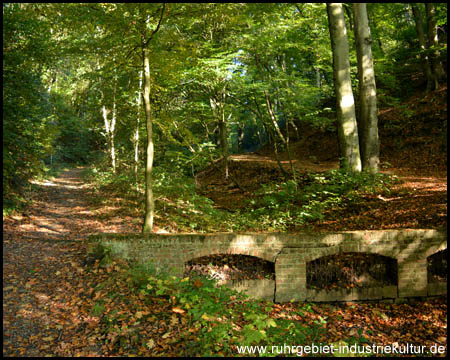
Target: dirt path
[43,270]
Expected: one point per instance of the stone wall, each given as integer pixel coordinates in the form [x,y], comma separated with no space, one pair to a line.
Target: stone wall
[291,253]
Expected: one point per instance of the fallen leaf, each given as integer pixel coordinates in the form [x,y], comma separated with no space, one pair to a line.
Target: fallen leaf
[178,310]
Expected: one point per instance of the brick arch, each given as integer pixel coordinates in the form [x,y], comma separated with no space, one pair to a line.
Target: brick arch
[337,250]
[229,251]
[431,251]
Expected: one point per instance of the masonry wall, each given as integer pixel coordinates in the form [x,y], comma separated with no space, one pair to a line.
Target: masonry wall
[291,253]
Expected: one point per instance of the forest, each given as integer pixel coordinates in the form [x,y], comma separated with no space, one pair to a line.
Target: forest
[175,118]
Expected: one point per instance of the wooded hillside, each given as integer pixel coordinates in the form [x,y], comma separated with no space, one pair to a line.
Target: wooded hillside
[169,118]
[152,93]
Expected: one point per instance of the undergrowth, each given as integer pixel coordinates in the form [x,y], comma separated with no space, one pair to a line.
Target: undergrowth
[286,205]
[280,206]
[178,206]
[206,318]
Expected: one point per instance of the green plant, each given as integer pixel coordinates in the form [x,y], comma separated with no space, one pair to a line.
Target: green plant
[218,323]
[98,308]
[280,206]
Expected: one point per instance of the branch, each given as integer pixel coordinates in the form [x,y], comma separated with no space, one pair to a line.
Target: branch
[157,27]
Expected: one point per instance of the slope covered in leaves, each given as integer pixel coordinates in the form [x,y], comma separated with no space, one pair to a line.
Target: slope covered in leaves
[413,148]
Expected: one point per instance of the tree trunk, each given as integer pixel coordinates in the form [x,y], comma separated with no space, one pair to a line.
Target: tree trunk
[431,85]
[285,140]
[240,137]
[373,26]
[218,108]
[272,117]
[275,148]
[318,78]
[347,10]
[433,42]
[113,128]
[109,131]
[369,141]
[136,132]
[345,104]
[149,201]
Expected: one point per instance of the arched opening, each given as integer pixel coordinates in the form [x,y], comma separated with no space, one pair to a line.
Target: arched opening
[351,270]
[226,267]
[437,267]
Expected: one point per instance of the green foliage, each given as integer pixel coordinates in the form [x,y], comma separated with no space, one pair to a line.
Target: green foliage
[220,318]
[277,207]
[285,205]
[175,197]
[74,142]
[26,108]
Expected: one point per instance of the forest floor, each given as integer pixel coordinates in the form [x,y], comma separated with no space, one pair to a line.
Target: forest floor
[49,296]
[419,200]
[49,293]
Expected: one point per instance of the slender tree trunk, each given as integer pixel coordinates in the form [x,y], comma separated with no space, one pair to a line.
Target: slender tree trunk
[373,26]
[369,140]
[149,201]
[136,132]
[318,79]
[109,132]
[285,140]
[431,84]
[273,118]
[113,129]
[346,119]
[408,14]
[433,42]
[106,122]
[218,108]
[240,137]
[275,148]
[348,11]
[109,137]
[260,117]
[288,148]
[224,138]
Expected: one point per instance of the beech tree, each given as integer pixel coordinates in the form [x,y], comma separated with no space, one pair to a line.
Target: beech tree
[368,119]
[145,40]
[433,43]
[432,82]
[345,104]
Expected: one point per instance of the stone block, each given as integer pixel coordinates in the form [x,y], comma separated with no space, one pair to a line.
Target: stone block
[258,289]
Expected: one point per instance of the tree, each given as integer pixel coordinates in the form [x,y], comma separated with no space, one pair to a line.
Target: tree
[110,126]
[28,120]
[345,104]
[432,82]
[149,200]
[433,43]
[368,121]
